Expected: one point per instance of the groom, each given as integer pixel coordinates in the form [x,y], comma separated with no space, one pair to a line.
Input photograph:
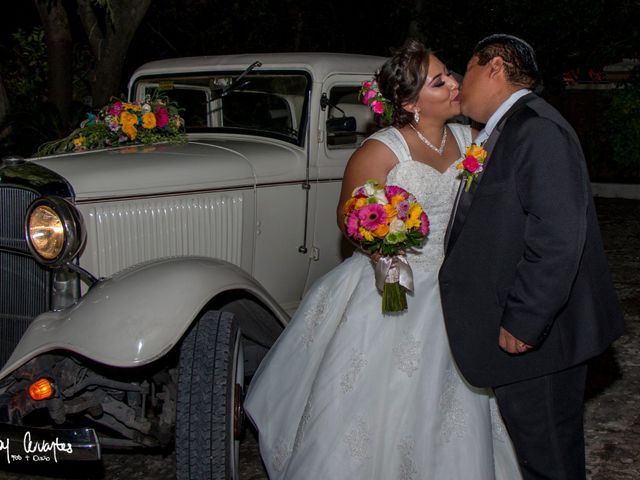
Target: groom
[526,290]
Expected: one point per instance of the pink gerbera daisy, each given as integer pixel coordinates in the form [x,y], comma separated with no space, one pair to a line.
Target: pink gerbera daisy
[424,224]
[393,190]
[352,226]
[371,216]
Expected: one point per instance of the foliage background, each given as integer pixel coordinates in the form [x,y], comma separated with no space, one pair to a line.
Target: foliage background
[567,35]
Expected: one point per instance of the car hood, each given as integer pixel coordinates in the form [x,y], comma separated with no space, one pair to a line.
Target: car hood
[202,164]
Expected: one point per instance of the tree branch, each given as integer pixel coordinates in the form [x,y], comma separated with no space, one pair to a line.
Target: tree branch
[91,27]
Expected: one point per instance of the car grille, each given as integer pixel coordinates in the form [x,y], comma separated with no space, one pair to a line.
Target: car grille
[24,284]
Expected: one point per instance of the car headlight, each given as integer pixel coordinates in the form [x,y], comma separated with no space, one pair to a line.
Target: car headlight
[54,230]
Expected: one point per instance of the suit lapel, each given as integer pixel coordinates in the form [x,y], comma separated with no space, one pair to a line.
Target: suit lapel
[463,199]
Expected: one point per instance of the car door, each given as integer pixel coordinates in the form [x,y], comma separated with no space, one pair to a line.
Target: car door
[337,138]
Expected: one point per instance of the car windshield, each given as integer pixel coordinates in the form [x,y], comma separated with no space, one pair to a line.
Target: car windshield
[267,104]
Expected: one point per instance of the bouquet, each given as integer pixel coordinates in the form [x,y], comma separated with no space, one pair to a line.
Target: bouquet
[123,123]
[472,164]
[388,220]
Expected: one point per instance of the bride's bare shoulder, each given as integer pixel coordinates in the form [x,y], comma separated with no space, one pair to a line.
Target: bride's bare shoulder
[374,151]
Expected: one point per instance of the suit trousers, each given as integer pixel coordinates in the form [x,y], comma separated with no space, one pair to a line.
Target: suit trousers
[544,417]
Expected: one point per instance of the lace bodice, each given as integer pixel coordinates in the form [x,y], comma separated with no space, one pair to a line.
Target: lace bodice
[434,190]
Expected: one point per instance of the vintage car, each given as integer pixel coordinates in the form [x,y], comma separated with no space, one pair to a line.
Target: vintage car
[140,285]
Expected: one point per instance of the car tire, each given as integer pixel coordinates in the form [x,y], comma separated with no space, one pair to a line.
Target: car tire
[208,416]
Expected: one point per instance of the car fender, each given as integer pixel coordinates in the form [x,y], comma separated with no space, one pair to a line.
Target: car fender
[139,314]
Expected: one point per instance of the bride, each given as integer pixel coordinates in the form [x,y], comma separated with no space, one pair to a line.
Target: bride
[349,393]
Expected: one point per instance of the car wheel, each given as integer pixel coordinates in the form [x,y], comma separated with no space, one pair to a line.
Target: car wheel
[209,414]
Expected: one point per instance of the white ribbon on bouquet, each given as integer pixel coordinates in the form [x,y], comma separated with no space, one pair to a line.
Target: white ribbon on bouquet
[394,269]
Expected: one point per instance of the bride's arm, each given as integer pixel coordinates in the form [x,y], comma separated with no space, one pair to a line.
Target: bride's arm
[372,161]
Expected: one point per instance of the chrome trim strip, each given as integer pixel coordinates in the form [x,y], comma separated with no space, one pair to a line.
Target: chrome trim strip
[208,190]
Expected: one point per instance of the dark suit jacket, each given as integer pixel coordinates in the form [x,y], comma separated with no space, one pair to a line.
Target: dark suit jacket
[526,254]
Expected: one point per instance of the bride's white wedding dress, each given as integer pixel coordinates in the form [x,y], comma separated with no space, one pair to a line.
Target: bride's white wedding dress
[347,393]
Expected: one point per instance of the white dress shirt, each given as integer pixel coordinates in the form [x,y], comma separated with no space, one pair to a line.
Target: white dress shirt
[497,115]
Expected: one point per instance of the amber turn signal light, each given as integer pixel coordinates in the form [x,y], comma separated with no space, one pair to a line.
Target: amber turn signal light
[41,389]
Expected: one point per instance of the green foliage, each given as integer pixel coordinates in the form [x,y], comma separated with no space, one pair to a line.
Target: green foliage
[25,71]
[32,119]
[623,120]
[409,239]
[32,123]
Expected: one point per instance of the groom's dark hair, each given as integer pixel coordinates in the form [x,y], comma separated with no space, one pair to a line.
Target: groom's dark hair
[519,58]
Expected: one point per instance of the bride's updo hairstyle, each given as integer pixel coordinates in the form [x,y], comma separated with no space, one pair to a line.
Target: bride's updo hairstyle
[401,78]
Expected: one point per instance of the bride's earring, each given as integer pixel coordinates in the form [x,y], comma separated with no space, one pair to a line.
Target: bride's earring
[416,116]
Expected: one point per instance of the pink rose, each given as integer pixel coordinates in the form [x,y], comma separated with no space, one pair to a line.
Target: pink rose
[366,98]
[366,84]
[471,164]
[162,117]
[377,107]
[116,109]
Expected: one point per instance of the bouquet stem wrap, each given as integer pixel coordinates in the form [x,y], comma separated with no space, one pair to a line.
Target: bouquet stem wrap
[393,278]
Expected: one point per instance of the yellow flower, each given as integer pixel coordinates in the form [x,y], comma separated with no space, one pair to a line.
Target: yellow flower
[149,120]
[381,231]
[79,141]
[346,208]
[132,106]
[413,218]
[366,234]
[477,151]
[360,202]
[415,211]
[130,131]
[128,119]
[396,199]
[460,166]
[391,211]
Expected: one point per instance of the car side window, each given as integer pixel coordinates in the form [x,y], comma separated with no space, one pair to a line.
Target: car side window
[349,121]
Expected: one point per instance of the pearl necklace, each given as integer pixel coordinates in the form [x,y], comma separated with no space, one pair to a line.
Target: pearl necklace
[424,140]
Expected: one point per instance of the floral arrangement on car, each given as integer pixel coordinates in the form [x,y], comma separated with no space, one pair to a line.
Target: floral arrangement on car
[472,164]
[123,123]
[387,220]
[370,95]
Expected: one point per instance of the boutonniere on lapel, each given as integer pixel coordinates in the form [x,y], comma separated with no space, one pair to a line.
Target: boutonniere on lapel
[472,164]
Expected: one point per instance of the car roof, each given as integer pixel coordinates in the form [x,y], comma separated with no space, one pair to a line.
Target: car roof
[320,65]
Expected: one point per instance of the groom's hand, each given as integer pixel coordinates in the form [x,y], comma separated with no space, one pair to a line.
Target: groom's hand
[511,344]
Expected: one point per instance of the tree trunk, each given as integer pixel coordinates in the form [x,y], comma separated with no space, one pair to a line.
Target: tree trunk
[4,109]
[110,43]
[414,25]
[59,55]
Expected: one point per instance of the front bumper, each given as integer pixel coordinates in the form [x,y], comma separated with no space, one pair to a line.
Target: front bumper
[20,445]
